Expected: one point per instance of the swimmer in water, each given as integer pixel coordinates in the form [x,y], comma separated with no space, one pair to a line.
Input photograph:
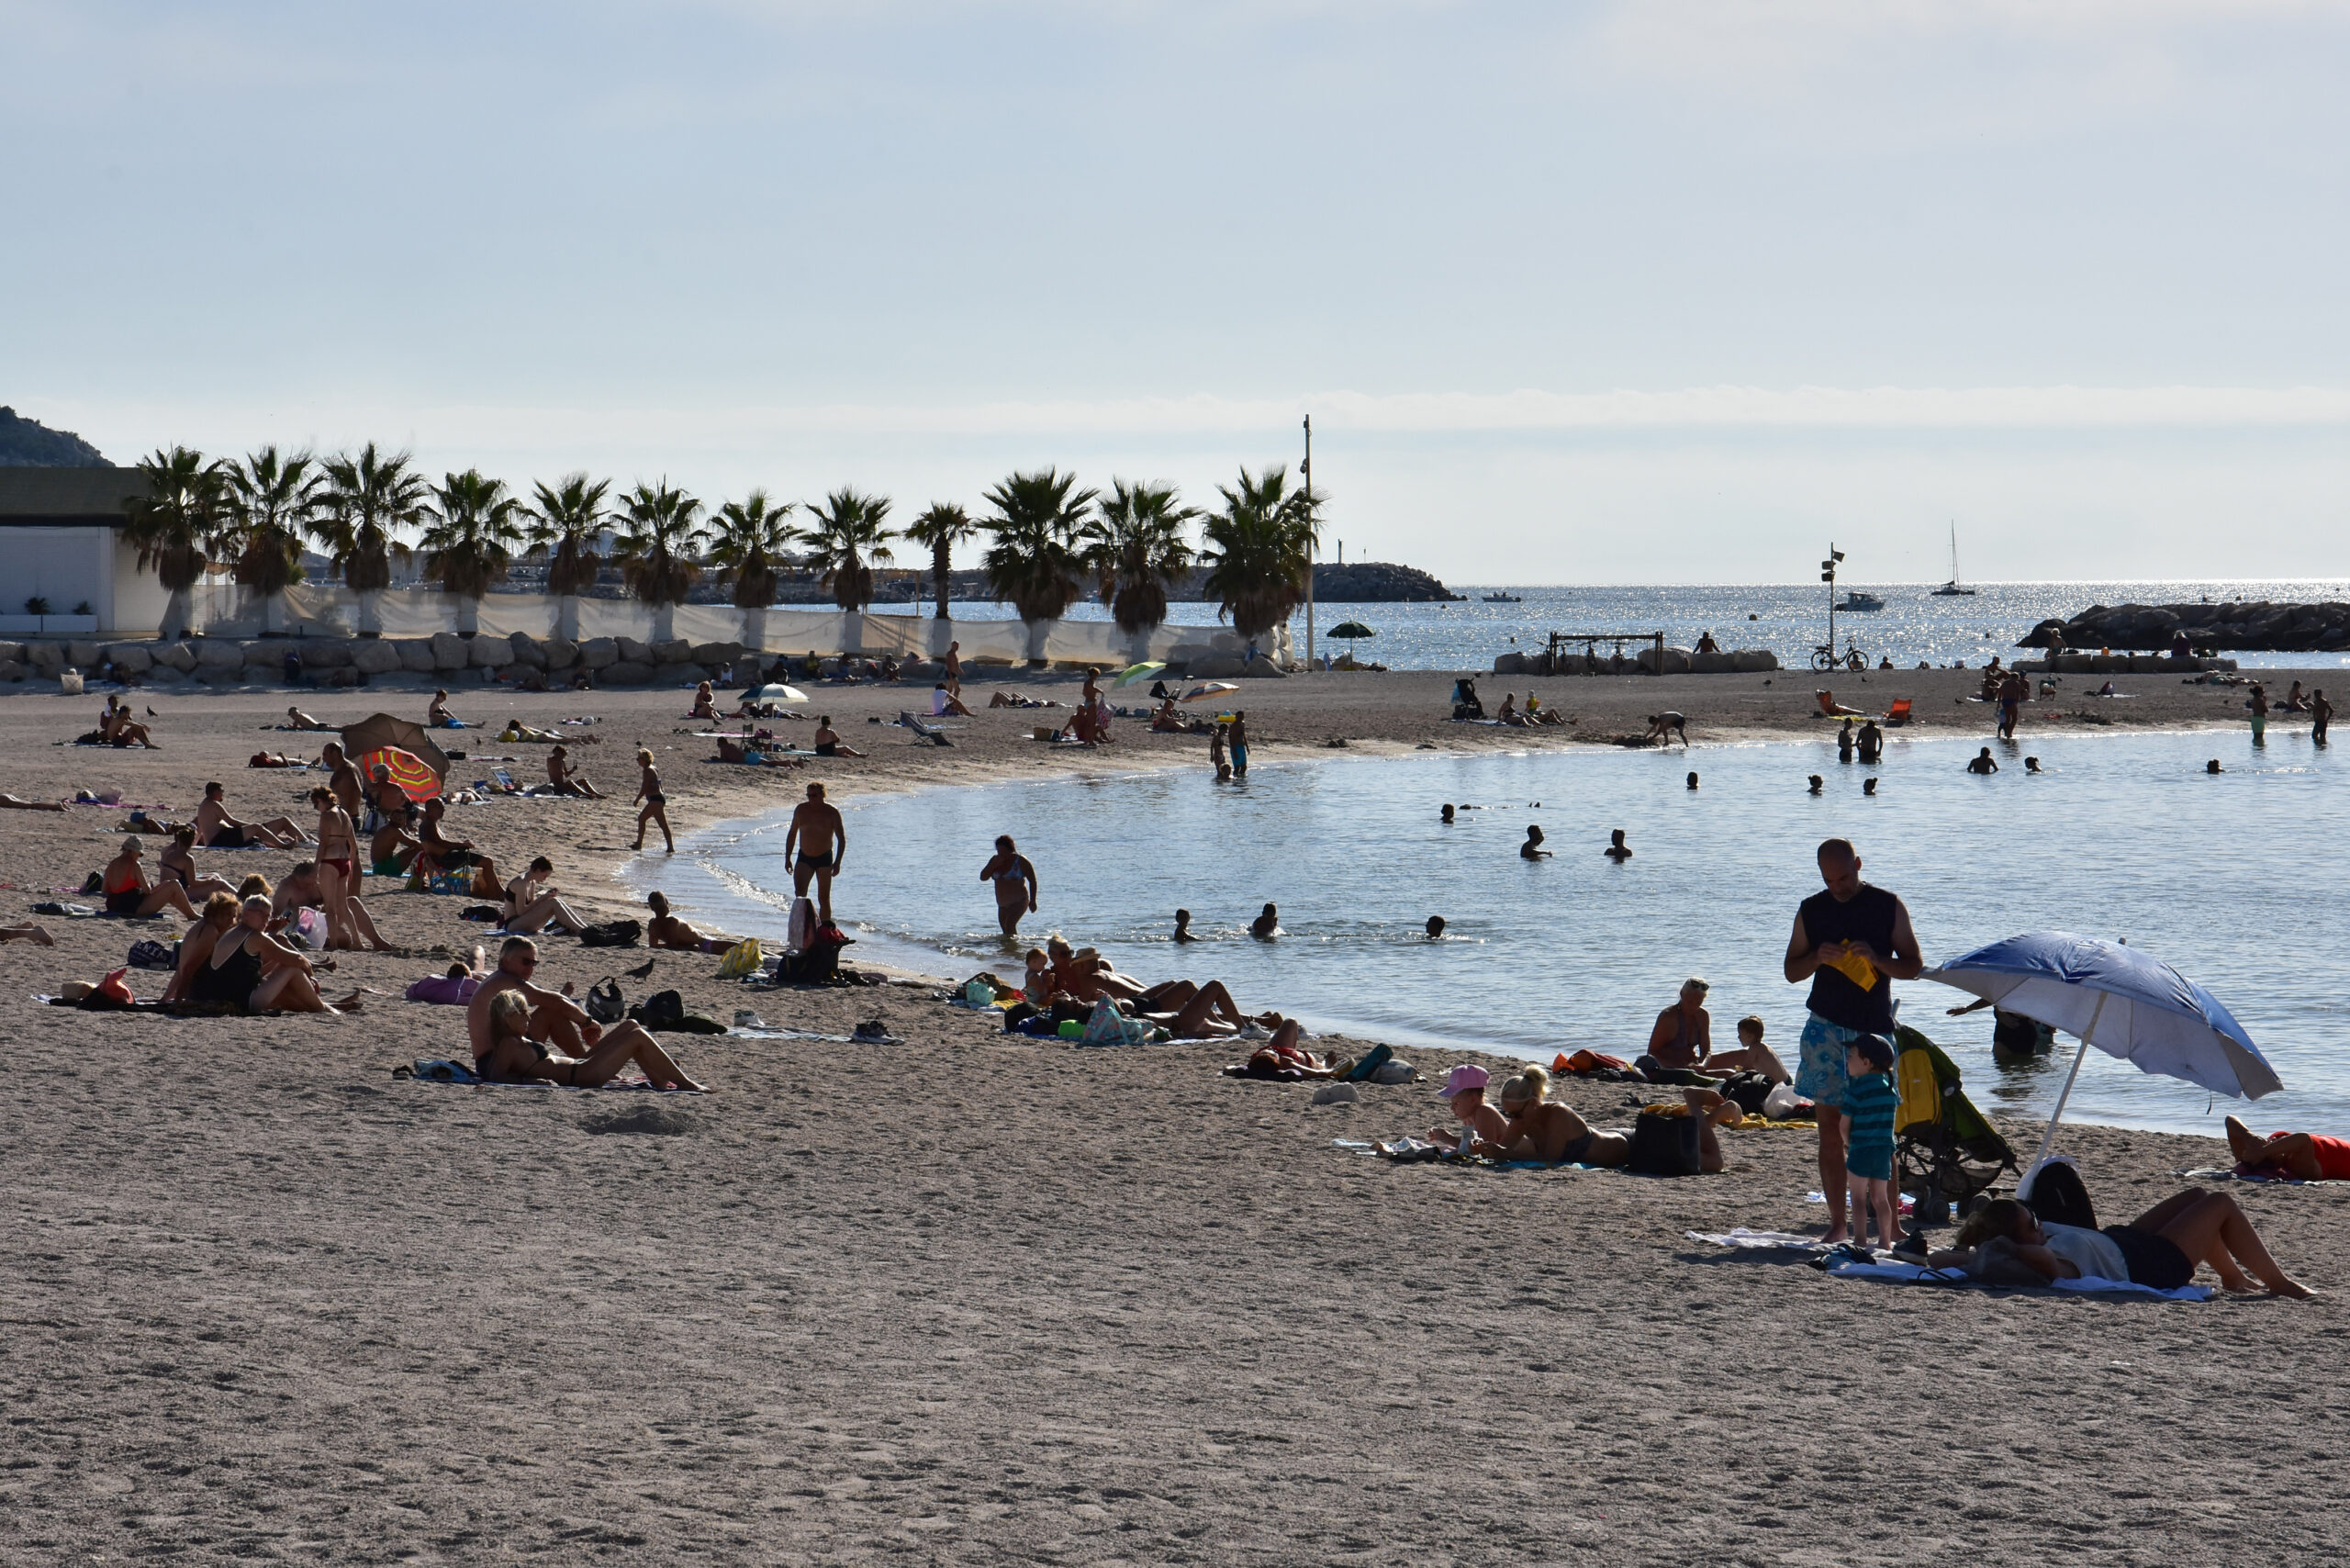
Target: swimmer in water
[1532,848]
[2213,766]
[1266,926]
[1183,926]
[1445,815]
[1693,782]
[1617,850]
[1983,763]
[1435,928]
[1868,787]
[1818,783]
[2031,764]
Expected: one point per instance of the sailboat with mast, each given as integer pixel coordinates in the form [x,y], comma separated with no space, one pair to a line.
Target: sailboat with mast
[1954,588]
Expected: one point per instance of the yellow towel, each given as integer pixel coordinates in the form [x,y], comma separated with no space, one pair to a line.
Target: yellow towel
[1857,969]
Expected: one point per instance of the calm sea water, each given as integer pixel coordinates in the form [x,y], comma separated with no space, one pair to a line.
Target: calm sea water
[1787,619]
[2229,878]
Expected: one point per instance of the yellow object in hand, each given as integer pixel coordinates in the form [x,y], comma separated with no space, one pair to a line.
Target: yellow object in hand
[1857,969]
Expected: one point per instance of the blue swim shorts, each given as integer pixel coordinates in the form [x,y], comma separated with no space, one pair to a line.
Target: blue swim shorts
[1819,1066]
[1871,1162]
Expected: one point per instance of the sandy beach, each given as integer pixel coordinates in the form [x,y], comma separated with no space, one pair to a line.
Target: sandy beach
[975,1297]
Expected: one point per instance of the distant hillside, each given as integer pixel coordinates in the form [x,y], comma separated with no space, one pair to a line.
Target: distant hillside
[28,443]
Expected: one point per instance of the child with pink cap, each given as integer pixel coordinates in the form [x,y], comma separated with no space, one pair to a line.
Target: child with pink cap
[1464,1092]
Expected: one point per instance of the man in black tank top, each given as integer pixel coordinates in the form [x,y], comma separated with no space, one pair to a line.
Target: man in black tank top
[1852,941]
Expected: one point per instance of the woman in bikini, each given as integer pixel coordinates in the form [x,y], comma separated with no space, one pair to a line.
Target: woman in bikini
[1015,885]
[176,864]
[531,907]
[128,892]
[338,860]
[514,1058]
[1548,1134]
[703,707]
[567,779]
[656,804]
[665,930]
[250,968]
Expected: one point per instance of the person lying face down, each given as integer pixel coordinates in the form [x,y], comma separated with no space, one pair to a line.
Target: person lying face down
[1463,1095]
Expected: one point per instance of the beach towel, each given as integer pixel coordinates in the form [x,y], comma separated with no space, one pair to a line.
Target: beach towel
[446,990]
[2265,1178]
[1748,1240]
[1918,1274]
[435,1070]
[1419,1151]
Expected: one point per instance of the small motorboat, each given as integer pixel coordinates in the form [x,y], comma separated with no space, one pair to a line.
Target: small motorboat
[1856,599]
[1505,598]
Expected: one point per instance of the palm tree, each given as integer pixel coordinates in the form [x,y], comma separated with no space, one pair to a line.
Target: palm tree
[1035,562]
[173,525]
[747,537]
[364,504]
[1259,549]
[658,540]
[270,501]
[1136,544]
[848,537]
[565,524]
[942,528]
[477,528]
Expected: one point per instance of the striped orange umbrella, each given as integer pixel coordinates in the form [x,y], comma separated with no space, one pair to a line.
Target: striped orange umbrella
[408,770]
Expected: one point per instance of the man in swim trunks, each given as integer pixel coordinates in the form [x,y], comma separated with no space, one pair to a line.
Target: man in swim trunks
[1015,884]
[1852,941]
[1663,726]
[821,840]
[1238,740]
[341,777]
[2309,1156]
[216,829]
[555,1019]
[828,740]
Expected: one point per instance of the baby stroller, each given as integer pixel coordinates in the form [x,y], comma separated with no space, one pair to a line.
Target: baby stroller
[1947,1152]
[1464,700]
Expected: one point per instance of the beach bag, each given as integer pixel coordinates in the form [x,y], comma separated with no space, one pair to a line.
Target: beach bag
[743,959]
[488,913]
[96,881]
[2059,1197]
[1783,1102]
[612,934]
[151,955]
[1749,1089]
[979,993]
[1664,1145]
[1108,1027]
[605,1004]
[310,925]
[814,965]
[801,929]
[661,1010]
[455,882]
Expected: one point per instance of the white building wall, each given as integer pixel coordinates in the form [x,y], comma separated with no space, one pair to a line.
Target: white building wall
[66,566]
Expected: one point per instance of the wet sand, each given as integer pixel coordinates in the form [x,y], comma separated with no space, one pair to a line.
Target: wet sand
[971,1298]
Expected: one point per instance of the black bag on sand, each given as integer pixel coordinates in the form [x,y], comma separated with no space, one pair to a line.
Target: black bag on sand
[605,1004]
[814,966]
[664,1010]
[1749,1089]
[612,934]
[1664,1145]
[2059,1197]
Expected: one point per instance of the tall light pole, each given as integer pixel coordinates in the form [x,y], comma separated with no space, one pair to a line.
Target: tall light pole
[1305,471]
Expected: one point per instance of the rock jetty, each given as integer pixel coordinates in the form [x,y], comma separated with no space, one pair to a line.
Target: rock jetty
[1677,661]
[1378,582]
[2256,624]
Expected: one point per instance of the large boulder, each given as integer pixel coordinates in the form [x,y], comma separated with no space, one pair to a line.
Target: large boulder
[326,653]
[269,657]
[488,653]
[1712,664]
[633,651]
[212,653]
[12,669]
[523,649]
[1510,663]
[1676,660]
[676,651]
[130,658]
[448,651]
[625,672]
[561,653]
[600,652]
[220,674]
[13,653]
[710,655]
[1217,666]
[1263,669]
[45,656]
[415,654]
[1754,661]
[82,655]
[176,655]
[371,655]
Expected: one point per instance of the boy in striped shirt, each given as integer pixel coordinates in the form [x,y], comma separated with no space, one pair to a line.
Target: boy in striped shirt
[1870,1102]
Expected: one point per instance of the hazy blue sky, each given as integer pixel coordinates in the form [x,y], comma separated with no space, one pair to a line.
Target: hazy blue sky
[1596,292]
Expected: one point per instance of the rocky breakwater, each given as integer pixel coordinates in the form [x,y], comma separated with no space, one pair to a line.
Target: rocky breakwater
[1378,582]
[2257,625]
[339,661]
[1677,661]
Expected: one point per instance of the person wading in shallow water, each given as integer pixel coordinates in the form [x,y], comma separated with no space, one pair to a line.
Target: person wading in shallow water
[1015,884]
[1852,941]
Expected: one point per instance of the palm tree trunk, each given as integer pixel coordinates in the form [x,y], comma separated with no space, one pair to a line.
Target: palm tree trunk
[272,614]
[468,614]
[755,628]
[1037,632]
[175,615]
[371,612]
[566,617]
[664,624]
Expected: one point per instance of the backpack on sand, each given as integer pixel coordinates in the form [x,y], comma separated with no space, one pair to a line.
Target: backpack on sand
[1664,1145]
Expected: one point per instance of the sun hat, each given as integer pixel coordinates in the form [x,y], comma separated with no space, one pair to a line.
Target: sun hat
[1462,1079]
[132,845]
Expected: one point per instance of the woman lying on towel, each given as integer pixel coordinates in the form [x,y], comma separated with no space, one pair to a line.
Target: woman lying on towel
[514,1058]
[1283,1059]
[2160,1248]
[665,930]
[2309,1156]
[1535,1129]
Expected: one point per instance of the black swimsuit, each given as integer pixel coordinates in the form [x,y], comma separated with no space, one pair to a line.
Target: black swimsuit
[233,982]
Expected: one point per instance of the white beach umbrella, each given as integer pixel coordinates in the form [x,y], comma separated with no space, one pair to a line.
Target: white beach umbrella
[2121,1001]
[778,693]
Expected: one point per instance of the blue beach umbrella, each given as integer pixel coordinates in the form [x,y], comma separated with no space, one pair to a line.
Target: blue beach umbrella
[2121,1001]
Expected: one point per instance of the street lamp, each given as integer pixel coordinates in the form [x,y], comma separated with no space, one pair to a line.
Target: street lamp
[1828,576]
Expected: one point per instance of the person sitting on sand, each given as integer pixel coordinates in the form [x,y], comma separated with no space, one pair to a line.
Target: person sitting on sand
[944,704]
[1507,712]
[1464,1095]
[436,851]
[665,930]
[1532,848]
[254,969]
[2160,1249]
[219,912]
[1668,725]
[390,850]
[437,715]
[567,779]
[504,1051]
[1537,1129]
[302,720]
[704,706]
[828,742]
[1267,925]
[176,864]
[218,830]
[1983,763]
[118,728]
[1683,1034]
[555,1019]
[128,892]
[1165,721]
[2294,701]
[2307,1157]
[531,906]
[1751,1055]
[1617,850]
